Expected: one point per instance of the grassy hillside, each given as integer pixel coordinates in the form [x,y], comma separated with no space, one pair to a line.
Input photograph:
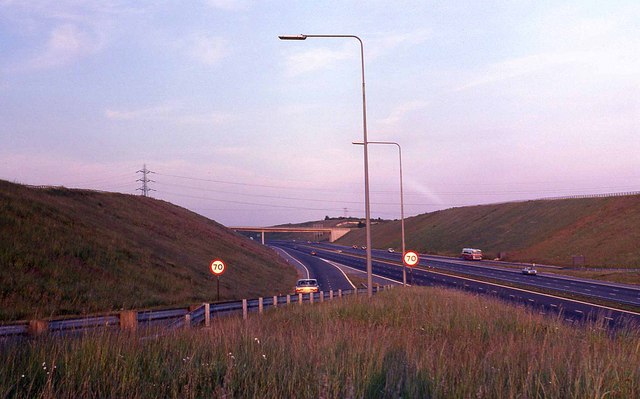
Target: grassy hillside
[74,251]
[605,230]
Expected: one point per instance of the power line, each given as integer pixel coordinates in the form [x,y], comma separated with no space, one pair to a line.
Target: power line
[253,203]
[408,193]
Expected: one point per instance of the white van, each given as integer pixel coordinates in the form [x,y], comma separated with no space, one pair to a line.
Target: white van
[471,254]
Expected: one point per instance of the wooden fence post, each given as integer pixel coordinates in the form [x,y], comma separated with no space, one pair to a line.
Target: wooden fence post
[244,309]
[128,320]
[37,328]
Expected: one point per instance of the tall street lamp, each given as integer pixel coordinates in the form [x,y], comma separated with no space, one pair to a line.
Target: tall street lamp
[404,268]
[366,152]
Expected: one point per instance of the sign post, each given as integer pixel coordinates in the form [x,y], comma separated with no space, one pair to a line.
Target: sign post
[411,258]
[217,267]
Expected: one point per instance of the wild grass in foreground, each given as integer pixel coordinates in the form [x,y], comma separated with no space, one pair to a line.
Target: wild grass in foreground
[416,343]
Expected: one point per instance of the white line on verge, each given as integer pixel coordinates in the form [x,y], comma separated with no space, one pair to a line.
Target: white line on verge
[300,263]
[358,270]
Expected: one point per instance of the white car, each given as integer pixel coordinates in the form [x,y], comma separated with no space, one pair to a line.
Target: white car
[529,271]
[391,250]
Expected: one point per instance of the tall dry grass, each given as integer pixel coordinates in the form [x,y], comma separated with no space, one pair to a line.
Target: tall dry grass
[418,342]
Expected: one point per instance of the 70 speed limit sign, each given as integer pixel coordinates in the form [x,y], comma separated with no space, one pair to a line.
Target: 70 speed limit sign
[411,258]
[217,267]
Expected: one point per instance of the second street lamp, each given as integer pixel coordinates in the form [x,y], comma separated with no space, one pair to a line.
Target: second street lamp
[367,209]
[404,249]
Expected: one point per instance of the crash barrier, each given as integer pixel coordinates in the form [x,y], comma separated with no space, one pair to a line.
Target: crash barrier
[172,318]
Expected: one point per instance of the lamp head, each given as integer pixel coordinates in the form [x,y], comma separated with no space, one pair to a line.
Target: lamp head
[292,37]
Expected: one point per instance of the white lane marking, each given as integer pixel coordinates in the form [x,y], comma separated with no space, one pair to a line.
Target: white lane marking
[511,288]
[341,271]
[373,274]
[542,294]
[294,258]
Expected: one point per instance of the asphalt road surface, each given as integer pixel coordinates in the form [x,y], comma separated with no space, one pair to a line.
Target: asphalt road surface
[432,271]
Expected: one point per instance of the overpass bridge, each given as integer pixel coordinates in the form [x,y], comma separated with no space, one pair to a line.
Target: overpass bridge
[334,232]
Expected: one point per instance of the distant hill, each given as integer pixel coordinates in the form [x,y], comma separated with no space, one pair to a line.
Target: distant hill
[66,251]
[606,231]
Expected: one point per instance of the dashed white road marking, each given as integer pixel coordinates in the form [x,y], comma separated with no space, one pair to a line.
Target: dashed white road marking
[340,265]
[341,271]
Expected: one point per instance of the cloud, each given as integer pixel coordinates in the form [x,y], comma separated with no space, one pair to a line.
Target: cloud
[229,5]
[209,50]
[522,66]
[316,59]
[400,111]
[168,113]
[66,44]
[586,48]
[205,118]
[151,113]
[376,47]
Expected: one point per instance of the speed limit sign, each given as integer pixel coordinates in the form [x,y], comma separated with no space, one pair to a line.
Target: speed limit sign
[411,258]
[217,267]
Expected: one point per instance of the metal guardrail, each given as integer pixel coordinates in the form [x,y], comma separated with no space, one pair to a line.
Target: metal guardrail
[172,318]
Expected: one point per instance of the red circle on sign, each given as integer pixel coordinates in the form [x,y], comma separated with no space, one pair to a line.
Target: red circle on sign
[217,267]
[410,258]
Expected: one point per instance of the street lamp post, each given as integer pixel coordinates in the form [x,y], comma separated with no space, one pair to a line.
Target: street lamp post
[404,268]
[367,208]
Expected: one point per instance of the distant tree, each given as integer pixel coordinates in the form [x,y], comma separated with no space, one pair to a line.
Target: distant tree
[327,217]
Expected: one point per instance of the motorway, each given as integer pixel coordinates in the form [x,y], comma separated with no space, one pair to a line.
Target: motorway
[329,277]
[483,277]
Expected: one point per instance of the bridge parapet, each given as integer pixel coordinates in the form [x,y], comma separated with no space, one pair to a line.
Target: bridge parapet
[334,232]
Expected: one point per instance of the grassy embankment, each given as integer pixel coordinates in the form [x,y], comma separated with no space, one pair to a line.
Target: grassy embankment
[76,251]
[604,230]
[415,343]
